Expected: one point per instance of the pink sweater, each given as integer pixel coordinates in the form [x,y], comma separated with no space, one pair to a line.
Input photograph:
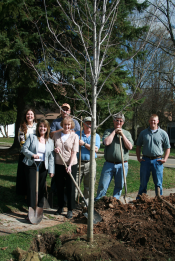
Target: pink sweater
[71,144]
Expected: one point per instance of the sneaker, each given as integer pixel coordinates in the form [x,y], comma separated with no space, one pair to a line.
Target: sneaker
[69,214]
[58,212]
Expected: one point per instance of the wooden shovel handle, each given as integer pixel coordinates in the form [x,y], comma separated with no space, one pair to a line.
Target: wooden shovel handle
[73,179]
[124,176]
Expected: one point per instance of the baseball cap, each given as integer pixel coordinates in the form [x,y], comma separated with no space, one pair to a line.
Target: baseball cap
[66,105]
[87,119]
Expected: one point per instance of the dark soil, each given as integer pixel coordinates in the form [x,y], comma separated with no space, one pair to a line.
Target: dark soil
[142,230]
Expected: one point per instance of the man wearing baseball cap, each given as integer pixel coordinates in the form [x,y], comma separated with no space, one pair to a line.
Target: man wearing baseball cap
[56,127]
[112,153]
[85,155]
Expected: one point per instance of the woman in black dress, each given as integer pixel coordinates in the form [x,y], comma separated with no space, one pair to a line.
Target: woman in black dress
[28,126]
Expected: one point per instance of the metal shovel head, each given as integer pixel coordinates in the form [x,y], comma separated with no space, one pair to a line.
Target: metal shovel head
[35,215]
[97,218]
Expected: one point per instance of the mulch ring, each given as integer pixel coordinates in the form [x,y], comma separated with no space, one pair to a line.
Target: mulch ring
[145,227]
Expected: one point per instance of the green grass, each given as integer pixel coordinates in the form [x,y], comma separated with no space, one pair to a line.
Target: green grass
[24,240]
[6,140]
[9,201]
[133,151]
[133,178]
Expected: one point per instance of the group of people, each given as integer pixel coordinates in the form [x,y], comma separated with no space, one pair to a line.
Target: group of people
[40,142]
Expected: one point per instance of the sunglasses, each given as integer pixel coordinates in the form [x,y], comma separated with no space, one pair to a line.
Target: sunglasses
[118,121]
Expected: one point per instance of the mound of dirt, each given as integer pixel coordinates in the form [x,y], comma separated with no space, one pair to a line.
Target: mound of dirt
[147,225]
[142,230]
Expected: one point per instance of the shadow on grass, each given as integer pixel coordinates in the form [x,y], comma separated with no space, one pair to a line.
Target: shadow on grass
[9,155]
[9,178]
[9,200]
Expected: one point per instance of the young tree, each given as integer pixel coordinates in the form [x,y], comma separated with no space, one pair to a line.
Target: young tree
[102,35]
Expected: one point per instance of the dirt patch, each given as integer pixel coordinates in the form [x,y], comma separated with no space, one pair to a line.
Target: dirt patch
[143,230]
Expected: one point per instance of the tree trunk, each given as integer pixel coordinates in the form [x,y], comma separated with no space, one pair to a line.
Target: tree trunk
[6,131]
[2,132]
[93,134]
[20,109]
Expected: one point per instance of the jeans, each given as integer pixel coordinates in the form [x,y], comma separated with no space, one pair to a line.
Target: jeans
[109,170]
[147,166]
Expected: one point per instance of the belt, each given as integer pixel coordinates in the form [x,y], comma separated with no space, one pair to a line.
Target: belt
[85,161]
[115,162]
[156,157]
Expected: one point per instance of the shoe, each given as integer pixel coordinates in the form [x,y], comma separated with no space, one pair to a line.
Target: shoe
[69,214]
[58,212]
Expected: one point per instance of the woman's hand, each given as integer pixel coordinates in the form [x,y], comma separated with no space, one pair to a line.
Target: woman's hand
[35,156]
[57,150]
[51,175]
[68,169]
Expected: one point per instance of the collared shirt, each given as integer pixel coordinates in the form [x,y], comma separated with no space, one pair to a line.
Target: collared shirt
[56,125]
[153,142]
[85,153]
[112,151]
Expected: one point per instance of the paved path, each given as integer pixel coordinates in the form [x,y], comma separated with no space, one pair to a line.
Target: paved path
[169,164]
[16,222]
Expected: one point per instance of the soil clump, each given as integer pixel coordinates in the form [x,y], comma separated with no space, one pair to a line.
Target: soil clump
[141,230]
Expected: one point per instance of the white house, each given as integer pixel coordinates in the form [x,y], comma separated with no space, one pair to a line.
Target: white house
[10,130]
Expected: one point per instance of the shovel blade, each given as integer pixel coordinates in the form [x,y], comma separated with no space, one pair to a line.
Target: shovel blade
[97,218]
[35,215]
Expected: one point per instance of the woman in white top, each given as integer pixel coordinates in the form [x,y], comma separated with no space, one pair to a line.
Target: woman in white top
[38,147]
[66,143]
[28,126]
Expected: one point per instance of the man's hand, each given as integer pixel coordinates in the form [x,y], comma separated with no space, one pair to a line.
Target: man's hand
[141,160]
[119,131]
[162,160]
[51,175]
[81,142]
[57,150]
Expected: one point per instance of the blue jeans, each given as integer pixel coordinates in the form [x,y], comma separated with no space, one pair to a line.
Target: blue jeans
[147,166]
[109,170]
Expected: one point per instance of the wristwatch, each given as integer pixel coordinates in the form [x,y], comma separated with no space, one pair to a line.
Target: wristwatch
[84,144]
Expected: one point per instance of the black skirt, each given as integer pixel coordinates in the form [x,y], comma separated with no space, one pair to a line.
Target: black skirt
[21,184]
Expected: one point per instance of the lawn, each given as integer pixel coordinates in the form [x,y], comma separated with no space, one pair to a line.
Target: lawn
[10,201]
[25,239]
[133,151]
[6,140]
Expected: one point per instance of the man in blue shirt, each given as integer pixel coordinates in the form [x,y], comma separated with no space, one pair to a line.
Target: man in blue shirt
[154,140]
[85,154]
[56,127]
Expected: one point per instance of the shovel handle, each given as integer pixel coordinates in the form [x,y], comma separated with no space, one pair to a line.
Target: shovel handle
[124,176]
[73,179]
[79,172]
[37,180]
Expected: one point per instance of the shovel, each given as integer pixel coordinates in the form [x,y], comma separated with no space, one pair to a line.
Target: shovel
[79,176]
[97,218]
[36,214]
[124,176]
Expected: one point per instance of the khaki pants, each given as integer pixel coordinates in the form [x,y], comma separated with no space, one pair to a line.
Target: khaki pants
[86,174]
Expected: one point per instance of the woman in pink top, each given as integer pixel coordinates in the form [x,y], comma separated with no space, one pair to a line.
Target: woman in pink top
[67,143]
